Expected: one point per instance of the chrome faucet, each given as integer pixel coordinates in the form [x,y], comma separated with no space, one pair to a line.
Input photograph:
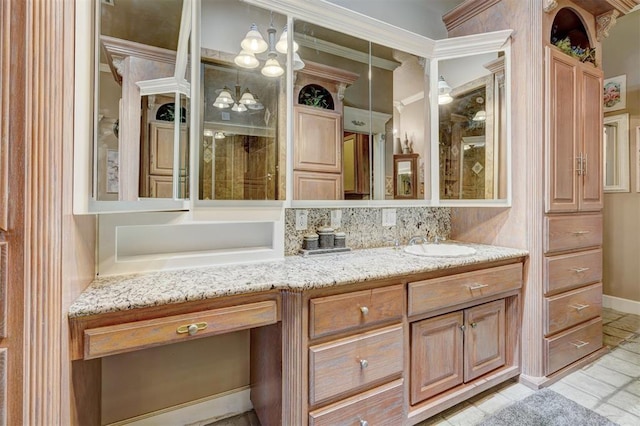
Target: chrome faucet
[437,239]
[417,238]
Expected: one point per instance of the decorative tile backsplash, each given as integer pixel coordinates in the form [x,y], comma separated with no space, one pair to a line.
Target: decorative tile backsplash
[364,229]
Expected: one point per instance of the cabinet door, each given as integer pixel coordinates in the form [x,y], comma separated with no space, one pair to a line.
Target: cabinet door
[484,337]
[436,355]
[317,186]
[317,140]
[591,192]
[356,165]
[562,132]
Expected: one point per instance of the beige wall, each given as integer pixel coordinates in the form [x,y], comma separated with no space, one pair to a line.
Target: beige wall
[621,55]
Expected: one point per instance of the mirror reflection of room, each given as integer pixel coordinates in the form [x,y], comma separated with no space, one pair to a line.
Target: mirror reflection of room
[243,74]
[140,148]
[346,101]
[472,130]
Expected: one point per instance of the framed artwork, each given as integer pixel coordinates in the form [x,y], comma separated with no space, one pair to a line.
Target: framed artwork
[614,95]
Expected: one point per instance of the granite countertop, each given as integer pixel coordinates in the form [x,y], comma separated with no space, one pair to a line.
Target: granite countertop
[125,292]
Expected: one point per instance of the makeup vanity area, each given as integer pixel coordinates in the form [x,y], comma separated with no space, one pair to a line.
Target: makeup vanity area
[192,199]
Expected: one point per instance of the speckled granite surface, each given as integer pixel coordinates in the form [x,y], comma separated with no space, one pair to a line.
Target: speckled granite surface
[120,293]
[364,229]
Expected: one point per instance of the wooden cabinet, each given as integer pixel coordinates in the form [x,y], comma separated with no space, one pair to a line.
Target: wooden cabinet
[574,134]
[157,163]
[464,329]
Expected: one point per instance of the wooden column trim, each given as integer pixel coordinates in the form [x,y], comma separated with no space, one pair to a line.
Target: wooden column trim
[604,23]
[5,113]
[532,350]
[293,389]
[45,121]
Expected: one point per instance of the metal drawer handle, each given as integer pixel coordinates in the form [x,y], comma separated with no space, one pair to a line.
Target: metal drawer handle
[478,286]
[578,307]
[364,423]
[579,344]
[364,310]
[191,329]
[580,232]
[579,270]
[364,363]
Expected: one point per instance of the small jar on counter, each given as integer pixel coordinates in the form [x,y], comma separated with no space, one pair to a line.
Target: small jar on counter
[340,239]
[310,242]
[326,236]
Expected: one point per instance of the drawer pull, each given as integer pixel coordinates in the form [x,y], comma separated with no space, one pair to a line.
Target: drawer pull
[578,307]
[579,344]
[191,329]
[580,232]
[364,310]
[473,324]
[579,270]
[364,423]
[364,363]
[478,286]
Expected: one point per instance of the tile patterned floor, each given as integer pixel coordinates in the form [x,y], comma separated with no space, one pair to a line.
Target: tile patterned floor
[610,386]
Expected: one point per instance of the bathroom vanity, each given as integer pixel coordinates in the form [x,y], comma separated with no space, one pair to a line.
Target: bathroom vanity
[374,336]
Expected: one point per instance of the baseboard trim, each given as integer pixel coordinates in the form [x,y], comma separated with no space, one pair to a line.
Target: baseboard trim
[621,305]
[198,412]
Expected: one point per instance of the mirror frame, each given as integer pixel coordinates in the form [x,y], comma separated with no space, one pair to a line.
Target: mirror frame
[622,153]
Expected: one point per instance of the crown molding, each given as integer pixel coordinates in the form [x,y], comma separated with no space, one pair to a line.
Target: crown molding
[466,11]
[472,44]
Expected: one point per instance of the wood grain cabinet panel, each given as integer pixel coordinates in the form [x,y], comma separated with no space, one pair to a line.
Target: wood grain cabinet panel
[573,307]
[318,140]
[484,339]
[4,282]
[572,232]
[348,364]
[380,406]
[437,293]
[342,312]
[110,340]
[317,186]
[567,271]
[564,348]
[436,355]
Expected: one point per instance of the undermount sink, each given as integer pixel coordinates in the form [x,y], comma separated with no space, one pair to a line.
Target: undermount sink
[440,250]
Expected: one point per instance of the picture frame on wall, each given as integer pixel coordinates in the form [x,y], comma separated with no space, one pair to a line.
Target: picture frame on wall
[614,96]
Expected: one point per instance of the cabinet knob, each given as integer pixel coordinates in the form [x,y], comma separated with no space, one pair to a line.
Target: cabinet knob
[364,310]
[473,324]
[364,423]
[191,329]
[462,327]
[364,363]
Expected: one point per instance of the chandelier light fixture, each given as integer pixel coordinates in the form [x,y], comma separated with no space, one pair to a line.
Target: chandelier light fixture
[238,101]
[254,44]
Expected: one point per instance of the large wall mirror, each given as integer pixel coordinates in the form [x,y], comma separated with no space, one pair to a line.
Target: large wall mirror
[472,128]
[243,111]
[356,105]
[142,104]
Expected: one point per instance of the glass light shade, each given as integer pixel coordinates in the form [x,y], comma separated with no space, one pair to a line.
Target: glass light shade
[246,59]
[281,45]
[218,135]
[238,108]
[218,104]
[480,116]
[225,96]
[443,87]
[272,68]
[247,98]
[253,41]
[208,133]
[444,99]
[256,106]
[297,62]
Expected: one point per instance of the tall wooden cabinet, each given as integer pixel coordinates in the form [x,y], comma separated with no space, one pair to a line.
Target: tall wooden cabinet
[556,156]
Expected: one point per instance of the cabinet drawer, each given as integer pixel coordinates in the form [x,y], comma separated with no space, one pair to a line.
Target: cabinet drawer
[572,232]
[350,363]
[428,295]
[343,312]
[379,406]
[567,271]
[131,336]
[568,309]
[573,344]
